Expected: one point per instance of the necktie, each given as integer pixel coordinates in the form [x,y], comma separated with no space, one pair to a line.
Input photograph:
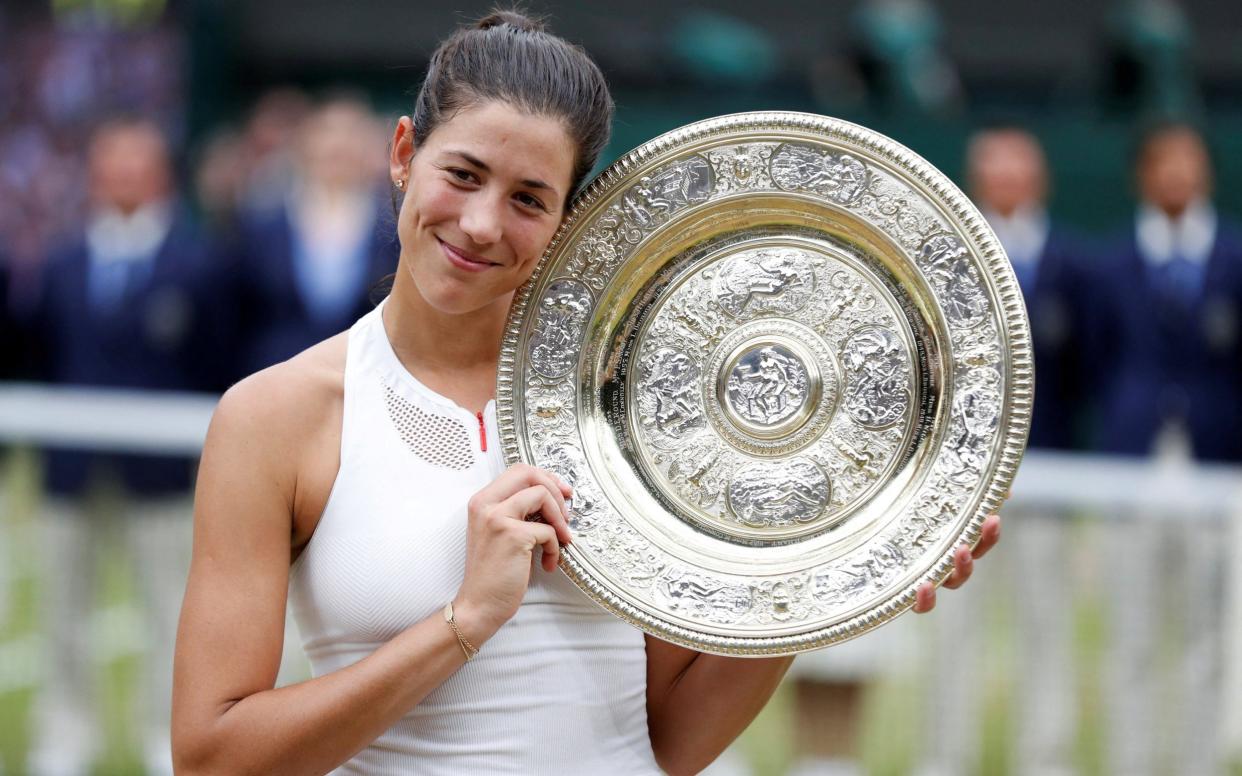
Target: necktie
[108,281]
[1179,281]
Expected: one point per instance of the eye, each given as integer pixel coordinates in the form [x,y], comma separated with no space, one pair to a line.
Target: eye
[530,201]
[461,176]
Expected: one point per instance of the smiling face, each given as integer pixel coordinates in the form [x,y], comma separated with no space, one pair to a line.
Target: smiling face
[485,193]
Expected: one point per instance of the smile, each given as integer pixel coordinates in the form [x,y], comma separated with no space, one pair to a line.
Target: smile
[463,260]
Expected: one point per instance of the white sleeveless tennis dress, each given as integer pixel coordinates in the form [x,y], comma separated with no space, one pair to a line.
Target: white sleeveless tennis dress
[560,689]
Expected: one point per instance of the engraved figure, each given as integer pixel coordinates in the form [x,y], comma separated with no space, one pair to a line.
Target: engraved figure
[705,598]
[838,585]
[699,472]
[655,197]
[764,280]
[741,167]
[550,402]
[841,178]
[569,465]
[775,494]
[563,313]
[627,553]
[595,256]
[878,394]
[979,408]
[668,393]
[767,386]
[947,264]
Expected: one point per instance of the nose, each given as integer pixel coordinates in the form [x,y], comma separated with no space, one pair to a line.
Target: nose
[481,219]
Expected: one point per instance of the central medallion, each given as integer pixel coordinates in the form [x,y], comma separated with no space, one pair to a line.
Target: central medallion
[768,388]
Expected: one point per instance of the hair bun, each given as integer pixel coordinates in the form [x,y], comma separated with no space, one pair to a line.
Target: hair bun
[514,19]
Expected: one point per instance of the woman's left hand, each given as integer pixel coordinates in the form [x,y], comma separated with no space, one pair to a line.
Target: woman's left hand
[963,564]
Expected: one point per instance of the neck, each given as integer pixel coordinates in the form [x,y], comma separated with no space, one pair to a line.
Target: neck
[454,354]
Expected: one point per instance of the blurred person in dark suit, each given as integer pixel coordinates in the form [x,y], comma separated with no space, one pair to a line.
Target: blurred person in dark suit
[123,305]
[304,269]
[1172,340]
[1170,352]
[1007,176]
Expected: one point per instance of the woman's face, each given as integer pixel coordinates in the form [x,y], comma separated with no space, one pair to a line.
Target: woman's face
[485,194]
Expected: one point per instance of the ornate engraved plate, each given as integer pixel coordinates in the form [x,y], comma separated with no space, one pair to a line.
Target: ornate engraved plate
[786,368]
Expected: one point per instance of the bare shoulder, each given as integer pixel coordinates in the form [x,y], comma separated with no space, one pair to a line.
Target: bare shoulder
[283,424]
[281,405]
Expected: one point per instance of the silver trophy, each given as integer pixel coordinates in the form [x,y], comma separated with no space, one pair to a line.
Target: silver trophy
[787,369]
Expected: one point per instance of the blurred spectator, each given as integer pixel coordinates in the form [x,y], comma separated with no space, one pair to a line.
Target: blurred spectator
[898,51]
[305,268]
[123,305]
[270,157]
[54,80]
[1007,175]
[1169,297]
[1170,310]
[251,170]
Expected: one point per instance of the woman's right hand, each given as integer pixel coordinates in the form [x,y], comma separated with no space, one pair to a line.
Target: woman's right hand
[520,510]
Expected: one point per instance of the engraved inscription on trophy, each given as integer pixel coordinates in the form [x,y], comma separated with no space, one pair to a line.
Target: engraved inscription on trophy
[839,177]
[563,312]
[776,494]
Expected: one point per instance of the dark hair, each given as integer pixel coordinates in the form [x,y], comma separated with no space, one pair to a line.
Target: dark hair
[509,57]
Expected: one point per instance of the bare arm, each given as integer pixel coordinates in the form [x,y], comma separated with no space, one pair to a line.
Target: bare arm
[698,703]
[227,718]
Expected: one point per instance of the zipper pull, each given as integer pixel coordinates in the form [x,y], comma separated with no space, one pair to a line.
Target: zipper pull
[482,432]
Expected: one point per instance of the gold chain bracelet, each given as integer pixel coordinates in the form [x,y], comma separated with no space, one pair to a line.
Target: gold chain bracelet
[466,647]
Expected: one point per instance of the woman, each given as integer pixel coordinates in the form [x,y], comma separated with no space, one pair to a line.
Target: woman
[380,443]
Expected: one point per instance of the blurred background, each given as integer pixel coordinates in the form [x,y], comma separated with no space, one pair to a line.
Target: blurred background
[192,190]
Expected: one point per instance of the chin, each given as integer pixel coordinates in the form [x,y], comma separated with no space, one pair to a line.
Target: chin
[451,297]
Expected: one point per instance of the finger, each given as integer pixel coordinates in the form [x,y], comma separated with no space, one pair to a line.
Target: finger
[510,481]
[963,565]
[925,598]
[566,489]
[534,503]
[560,520]
[544,536]
[989,535]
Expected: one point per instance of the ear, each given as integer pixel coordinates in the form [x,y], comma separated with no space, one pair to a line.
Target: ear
[401,150]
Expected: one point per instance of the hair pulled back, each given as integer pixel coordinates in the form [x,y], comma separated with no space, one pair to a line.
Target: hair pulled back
[509,57]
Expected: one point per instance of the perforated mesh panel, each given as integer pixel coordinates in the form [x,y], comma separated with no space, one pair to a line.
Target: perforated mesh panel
[438,440]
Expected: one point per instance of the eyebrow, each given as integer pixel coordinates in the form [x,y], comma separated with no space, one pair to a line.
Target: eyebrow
[530,183]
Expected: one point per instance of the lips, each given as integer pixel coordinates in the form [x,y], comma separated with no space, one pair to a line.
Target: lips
[463,260]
